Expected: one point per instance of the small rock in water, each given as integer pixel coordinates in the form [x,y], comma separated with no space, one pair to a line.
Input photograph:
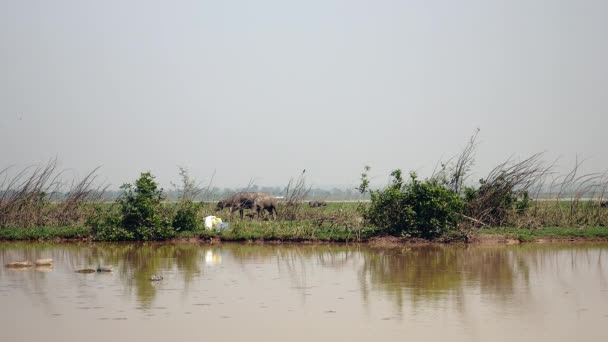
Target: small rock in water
[44,262]
[86,270]
[19,264]
[104,269]
[156,277]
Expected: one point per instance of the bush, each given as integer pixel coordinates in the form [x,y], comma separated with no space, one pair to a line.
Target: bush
[426,209]
[186,216]
[494,201]
[107,225]
[140,216]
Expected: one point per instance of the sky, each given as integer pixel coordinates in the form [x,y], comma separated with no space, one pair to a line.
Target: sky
[260,90]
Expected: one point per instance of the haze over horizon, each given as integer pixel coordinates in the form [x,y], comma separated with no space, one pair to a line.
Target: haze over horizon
[262,90]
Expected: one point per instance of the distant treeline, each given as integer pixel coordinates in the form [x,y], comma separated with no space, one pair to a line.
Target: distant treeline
[215,193]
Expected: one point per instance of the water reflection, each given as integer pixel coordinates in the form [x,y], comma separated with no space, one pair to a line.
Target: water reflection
[407,277]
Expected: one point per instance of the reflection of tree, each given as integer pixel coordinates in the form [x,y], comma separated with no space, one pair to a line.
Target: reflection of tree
[417,276]
[409,276]
[136,263]
[432,273]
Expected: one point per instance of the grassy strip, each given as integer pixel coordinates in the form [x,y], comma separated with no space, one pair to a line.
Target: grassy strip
[288,231]
[549,233]
[44,233]
[299,231]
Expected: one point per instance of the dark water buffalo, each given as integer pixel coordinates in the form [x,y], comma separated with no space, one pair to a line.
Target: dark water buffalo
[316,204]
[238,201]
[257,201]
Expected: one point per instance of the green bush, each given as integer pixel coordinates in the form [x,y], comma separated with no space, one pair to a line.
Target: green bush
[140,217]
[106,224]
[426,209]
[186,216]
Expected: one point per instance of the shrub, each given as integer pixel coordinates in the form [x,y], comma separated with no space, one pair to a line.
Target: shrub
[106,225]
[426,209]
[494,201]
[186,216]
[140,216]
[38,196]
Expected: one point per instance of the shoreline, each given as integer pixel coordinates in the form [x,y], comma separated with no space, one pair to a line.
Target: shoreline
[486,237]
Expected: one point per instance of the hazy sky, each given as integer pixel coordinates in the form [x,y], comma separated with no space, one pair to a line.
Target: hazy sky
[264,89]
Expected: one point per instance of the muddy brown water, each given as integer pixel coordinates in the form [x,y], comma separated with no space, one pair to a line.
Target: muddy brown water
[234,292]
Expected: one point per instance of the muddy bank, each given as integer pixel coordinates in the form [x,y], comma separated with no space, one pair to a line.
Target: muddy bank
[484,238]
[392,241]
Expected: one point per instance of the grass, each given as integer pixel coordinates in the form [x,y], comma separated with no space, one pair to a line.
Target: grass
[44,233]
[337,222]
[289,231]
[300,231]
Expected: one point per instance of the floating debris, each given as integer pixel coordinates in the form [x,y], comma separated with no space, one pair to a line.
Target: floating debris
[86,270]
[44,262]
[20,264]
[156,277]
[104,269]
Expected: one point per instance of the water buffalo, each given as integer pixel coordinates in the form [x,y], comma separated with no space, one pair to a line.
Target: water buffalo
[265,202]
[316,204]
[238,201]
[257,201]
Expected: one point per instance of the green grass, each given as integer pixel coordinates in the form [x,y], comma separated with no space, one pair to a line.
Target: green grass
[299,231]
[44,233]
[523,234]
[335,222]
[289,231]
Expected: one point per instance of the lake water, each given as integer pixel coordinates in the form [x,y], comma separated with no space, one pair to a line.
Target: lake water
[233,292]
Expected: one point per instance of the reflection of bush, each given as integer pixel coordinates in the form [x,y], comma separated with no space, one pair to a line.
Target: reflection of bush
[136,263]
[416,275]
[437,272]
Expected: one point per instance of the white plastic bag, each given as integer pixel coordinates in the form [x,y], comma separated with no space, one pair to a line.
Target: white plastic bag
[209,222]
